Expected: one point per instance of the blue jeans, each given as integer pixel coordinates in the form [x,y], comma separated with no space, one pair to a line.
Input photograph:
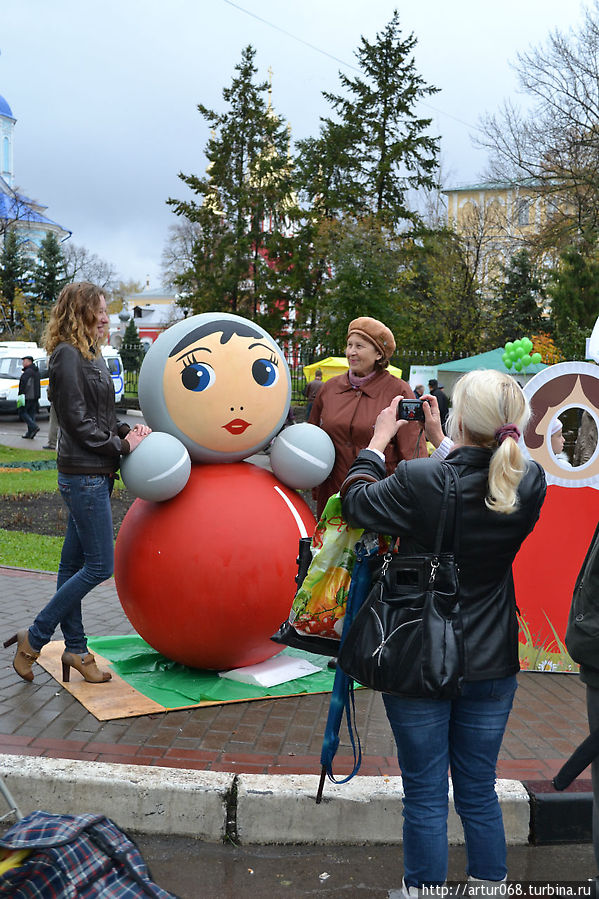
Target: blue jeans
[86,560]
[463,734]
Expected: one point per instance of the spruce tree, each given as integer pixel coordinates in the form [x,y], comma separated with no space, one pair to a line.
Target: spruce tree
[518,308]
[379,148]
[241,205]
[574,291]
[13,267]
[354,179]
[49,278]
[132,351]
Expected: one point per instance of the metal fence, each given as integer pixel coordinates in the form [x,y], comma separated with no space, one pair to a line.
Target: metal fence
[131,382]
[297,357]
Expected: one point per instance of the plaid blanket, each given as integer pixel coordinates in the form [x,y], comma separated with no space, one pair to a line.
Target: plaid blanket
[75,857]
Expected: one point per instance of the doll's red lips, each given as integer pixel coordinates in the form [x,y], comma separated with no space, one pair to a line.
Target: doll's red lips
[236,426]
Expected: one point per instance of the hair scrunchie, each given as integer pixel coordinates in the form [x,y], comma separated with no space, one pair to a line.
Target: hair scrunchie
[509,430]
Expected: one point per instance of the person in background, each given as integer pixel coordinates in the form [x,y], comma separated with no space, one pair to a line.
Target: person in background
[501,498]
[557,442]
[418,391]
[29,388]
[311,389]
[346,406]
[442,401]
[52,429]
[91,444]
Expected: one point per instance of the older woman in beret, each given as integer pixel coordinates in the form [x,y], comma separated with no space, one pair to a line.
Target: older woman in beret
[346,407]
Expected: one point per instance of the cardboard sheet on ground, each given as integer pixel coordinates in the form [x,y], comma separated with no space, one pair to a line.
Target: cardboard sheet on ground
[145,682]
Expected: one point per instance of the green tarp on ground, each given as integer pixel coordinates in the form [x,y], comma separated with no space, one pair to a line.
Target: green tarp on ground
[173,685]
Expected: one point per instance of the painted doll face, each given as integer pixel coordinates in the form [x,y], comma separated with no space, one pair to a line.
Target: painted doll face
[558,388]
[226,396]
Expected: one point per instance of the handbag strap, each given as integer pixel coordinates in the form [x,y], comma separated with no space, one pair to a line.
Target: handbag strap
[450,472]
[450,475]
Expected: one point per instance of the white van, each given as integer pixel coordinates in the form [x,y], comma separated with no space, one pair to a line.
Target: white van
[11,368]
[117,372]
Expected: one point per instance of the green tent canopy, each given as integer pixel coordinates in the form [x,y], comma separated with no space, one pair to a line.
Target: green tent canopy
[449,372]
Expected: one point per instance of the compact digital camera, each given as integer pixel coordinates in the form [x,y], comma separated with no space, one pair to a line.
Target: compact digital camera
[410,410]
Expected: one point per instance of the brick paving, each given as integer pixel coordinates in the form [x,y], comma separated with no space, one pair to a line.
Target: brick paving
[279,736]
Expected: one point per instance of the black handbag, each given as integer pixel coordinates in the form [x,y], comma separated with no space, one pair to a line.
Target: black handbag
[407,637]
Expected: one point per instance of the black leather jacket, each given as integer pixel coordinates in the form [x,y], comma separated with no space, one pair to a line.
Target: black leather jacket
[407,504]
[90,439]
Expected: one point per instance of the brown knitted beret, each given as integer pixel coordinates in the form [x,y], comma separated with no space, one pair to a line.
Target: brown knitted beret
[376,332]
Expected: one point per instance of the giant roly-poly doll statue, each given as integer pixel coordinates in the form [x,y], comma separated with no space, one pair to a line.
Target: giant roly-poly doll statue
[206,556]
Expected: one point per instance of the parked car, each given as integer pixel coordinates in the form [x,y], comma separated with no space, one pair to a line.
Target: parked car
[117,372]
[11,367]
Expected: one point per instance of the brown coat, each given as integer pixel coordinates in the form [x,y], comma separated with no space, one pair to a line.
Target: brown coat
[348,416]
[312,388]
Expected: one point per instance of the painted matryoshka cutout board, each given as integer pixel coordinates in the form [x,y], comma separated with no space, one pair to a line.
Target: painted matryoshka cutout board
[548,563]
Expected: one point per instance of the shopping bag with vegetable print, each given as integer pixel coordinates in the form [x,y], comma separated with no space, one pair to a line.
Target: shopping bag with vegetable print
[316,618]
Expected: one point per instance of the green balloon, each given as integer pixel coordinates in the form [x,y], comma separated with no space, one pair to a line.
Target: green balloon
[518,365]
[536,358]
[517,344]
[509,346]
[526,360]
[508,363]
[520,352]
[527,343]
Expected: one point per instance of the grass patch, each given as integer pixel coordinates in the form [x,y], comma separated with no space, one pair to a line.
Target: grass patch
[27,482]
[10,454]
[32,551]
[14,481]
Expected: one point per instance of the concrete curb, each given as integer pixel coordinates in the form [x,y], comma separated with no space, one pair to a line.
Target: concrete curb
[365,810]
[247,808]
[147,800]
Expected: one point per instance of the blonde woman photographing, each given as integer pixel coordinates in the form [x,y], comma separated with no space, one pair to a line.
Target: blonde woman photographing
[501,497]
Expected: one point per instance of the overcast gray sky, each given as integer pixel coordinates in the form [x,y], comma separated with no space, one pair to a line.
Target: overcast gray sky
[105,93]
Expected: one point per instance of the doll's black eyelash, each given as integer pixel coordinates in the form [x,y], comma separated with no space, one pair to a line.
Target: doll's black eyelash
[188,360]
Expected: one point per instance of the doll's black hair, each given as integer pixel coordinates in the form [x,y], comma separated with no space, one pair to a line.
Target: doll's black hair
[225,325]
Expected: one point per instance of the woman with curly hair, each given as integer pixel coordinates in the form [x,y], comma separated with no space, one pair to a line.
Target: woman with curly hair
[90,445]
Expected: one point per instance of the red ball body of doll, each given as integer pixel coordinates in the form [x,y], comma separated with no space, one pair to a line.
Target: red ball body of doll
[208,576]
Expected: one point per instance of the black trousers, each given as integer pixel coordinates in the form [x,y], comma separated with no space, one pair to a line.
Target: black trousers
[27,414]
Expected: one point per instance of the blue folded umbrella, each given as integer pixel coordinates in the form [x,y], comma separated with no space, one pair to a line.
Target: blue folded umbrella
[342,696]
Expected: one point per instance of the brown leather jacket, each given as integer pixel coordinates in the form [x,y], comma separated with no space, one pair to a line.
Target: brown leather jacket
[90,439]
[348,416]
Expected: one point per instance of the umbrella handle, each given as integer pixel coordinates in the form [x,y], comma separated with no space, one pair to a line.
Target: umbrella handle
[323,774]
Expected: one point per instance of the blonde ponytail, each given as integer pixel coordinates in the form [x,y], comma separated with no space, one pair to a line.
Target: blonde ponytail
[505,473]
[485,404]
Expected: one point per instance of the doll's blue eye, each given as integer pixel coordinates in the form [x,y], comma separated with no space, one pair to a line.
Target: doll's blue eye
[265,372]
[197,376]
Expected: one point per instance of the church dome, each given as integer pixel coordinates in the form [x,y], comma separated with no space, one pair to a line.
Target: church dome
[5,109]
